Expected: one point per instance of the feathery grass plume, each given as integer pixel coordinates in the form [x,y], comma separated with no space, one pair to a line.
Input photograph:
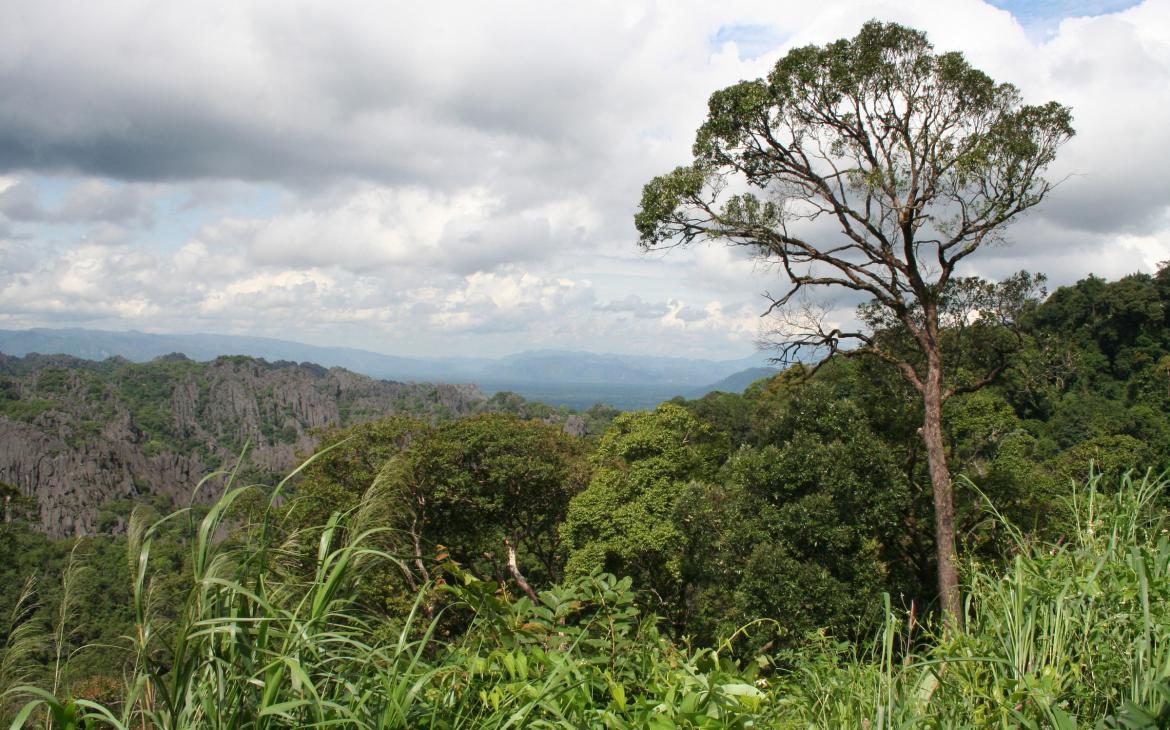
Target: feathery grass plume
[1074,634]
[375,507]
[140,538]
[23,639]
[46,703]
[63,629]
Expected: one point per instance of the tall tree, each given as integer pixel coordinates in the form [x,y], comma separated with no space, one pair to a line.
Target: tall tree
[622,523]
[916,158]
[496,489]
[488,490]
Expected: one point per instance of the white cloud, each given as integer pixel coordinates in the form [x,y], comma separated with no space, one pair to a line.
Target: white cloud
[456,175]
[90,281]
[87,200]
[509,301]
[375,227]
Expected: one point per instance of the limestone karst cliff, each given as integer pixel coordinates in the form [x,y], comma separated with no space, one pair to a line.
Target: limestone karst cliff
[79,439]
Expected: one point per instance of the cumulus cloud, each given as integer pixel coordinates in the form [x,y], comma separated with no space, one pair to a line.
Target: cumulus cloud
[373,228]
[86,201]
[454,176]
[81,284]
[506,302]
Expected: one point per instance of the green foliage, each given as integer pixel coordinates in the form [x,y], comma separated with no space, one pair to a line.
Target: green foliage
[254,646]
[622,523]
[466,490]
[803,530]
[147,390]
[1074,634]
[492,479]
[20,641]
[337,478]
[584,656]
[54,381]
[23,409]
[918,159]
[818,129]
[728,413]
[1094,382]
[763,528]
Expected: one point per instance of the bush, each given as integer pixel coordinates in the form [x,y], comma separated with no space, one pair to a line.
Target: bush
[1072,634]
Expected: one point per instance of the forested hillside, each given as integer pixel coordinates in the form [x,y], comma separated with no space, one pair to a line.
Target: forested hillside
[82,441]
[773,524]
[808,499]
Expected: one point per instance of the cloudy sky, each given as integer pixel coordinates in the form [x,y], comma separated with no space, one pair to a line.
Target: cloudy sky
[460,177]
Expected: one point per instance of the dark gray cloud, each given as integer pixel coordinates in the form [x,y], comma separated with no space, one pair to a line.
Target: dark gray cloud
[187,143]
[315,93]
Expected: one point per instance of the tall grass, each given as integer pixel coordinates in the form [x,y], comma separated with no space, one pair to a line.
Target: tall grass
[259,644]
[21,642]
[1072,634]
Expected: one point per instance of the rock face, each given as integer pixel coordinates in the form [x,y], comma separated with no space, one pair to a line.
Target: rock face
[81,439]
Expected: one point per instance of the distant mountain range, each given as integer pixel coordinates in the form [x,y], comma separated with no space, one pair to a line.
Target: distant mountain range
[734,383]
[577,379]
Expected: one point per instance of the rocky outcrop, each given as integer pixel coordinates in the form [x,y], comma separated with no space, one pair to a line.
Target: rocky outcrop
[575,426]
[84,439]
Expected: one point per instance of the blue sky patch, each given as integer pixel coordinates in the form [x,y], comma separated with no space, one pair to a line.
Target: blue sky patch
[1044,15]
[752,41]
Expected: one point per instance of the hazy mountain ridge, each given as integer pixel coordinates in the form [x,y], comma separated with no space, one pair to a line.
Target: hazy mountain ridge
[143,347]
[570,367]
[735,383]
[541,367]
[77,436]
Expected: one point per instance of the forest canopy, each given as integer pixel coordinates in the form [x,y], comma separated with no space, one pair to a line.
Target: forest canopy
[791,508]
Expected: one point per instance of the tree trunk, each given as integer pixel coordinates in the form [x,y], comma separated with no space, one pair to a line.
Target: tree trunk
[514,569]
[944,502]
[428,609]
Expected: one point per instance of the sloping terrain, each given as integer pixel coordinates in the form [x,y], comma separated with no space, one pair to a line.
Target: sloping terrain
[80,439]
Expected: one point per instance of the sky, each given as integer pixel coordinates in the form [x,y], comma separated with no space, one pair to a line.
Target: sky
[459,178]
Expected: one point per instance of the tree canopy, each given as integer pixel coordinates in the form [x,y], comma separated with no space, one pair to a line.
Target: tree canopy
[873,165]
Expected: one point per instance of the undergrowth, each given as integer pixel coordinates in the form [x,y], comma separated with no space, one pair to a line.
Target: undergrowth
[1069,634]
